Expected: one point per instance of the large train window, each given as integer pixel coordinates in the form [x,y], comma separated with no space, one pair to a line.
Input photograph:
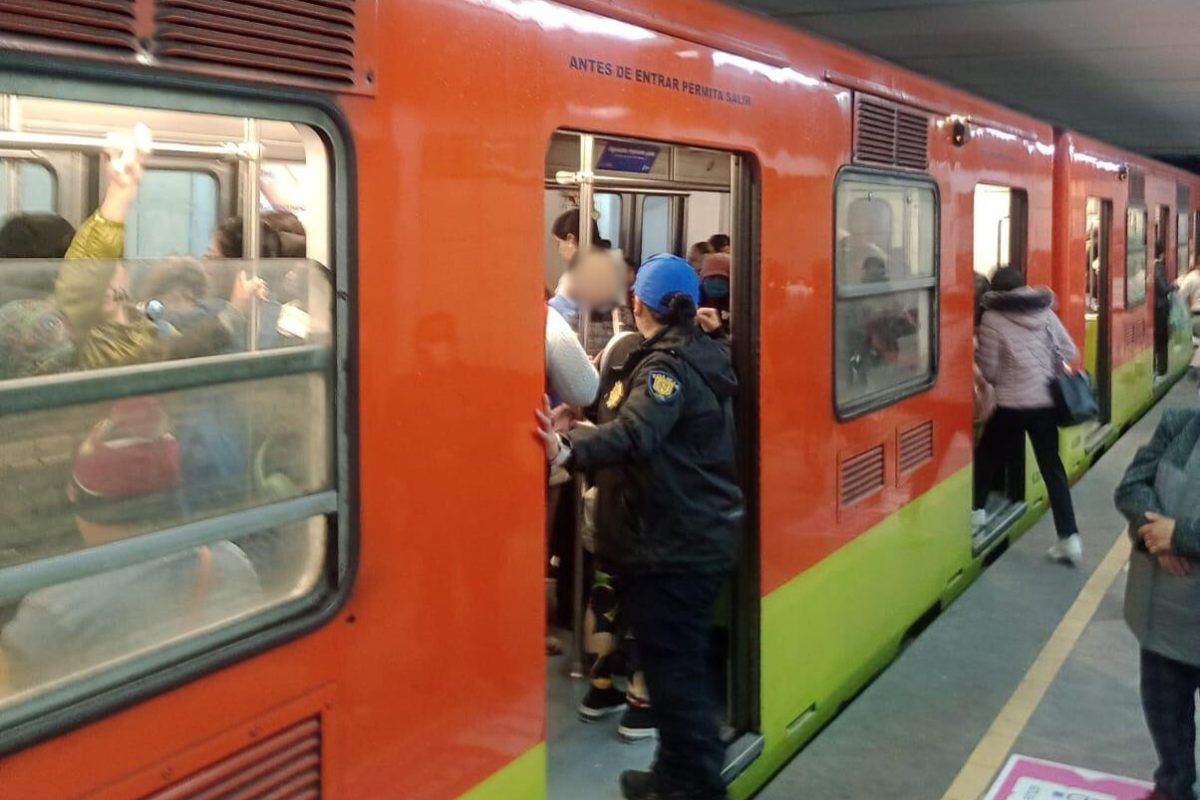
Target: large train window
[886,267]
[1135,257]
[1001,222]
[171,427]
[27,186]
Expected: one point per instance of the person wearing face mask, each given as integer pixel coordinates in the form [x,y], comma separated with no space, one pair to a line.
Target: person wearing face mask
[669,451]
[714,285]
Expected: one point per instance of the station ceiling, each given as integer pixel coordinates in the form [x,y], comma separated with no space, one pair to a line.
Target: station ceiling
[1123,71]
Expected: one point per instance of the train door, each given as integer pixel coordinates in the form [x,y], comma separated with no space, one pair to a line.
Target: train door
[1097,351]
[1000,233]
[645,198]
[1162,223]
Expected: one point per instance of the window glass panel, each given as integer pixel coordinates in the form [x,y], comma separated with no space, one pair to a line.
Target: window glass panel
[77,628]
[84,476]
[95,314]
[1135,258]
[175,214]
[1184,251]
[608,206]
[27,186]
[886,231]
[883,344]
[656,226]
[886,287]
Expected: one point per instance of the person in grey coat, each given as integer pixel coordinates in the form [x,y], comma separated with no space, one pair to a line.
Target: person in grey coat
[1022,347]
[1160,496]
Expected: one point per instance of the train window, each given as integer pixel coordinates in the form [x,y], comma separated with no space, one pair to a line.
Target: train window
[1184,247]
[175,214]
[1001,222]
[886,266]
[1135,257]
[656,226]
[27,186]
[169,427]
[608,206]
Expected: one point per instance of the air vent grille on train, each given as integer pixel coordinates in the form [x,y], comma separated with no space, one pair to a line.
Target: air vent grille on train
[890,135]
[313,39]
[915,448]
[285,766]
[861,476]
[1137,186]
[105,24]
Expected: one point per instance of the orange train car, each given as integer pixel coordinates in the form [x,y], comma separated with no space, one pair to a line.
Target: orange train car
[339,589]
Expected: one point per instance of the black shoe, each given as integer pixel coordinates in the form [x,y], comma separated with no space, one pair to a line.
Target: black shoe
[600,703]
[637,723]
[637,785]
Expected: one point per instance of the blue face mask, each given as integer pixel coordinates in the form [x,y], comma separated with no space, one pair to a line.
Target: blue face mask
[715,288]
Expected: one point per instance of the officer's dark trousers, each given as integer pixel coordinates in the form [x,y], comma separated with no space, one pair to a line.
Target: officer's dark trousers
[672,619]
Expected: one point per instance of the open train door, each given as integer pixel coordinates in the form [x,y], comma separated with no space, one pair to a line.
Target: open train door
[648,197]
[1097,357]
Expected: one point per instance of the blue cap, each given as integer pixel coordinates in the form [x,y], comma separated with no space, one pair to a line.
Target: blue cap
[662,276]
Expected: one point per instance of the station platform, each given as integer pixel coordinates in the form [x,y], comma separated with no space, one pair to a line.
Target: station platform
[1032,672]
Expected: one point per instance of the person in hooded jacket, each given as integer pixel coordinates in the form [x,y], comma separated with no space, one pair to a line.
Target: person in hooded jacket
[1022,347]
[675,539]
[1160,497]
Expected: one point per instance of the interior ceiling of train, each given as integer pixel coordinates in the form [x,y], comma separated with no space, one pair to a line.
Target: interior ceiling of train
[1124,72]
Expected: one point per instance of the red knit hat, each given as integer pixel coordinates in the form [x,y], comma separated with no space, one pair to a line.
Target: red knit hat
[128,468]
[716,265]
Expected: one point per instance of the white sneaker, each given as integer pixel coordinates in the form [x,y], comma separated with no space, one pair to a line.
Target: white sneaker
[1068,551]
[979,518]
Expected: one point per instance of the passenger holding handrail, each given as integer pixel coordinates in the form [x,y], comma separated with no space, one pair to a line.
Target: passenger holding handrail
[673,445]
[1160,497]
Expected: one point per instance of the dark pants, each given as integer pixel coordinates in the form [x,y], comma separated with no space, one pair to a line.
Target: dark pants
[1003,443]
[673,618]
[1169,702]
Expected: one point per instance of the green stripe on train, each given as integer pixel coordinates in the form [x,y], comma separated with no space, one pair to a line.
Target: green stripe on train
[825,633]
[523,778]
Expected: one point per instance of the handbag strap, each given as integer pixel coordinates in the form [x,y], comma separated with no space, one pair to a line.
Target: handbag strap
[1061,367]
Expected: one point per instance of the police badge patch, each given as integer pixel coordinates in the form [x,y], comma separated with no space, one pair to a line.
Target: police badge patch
[615,396]
[664,387]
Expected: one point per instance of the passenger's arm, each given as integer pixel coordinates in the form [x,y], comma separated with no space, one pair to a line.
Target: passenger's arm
[1135,495]
[568,368]
[647,417]
[102,236]
[988,354]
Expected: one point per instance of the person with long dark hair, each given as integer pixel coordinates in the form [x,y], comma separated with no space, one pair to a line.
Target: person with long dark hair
[668,460]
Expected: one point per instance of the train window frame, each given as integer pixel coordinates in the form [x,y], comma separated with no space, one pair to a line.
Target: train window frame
[1183,242]
[20,158]
[1130,210]
[55,712]
[848,412]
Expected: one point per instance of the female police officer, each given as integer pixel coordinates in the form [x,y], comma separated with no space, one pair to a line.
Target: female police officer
[674,540]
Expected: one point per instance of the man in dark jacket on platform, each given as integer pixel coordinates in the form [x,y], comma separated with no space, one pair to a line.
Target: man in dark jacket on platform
[674,541]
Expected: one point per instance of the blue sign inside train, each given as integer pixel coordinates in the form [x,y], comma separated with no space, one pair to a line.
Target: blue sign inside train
[636,158]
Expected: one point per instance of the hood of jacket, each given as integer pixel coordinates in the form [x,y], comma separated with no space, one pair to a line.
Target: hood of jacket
[703,353]
[1026,306]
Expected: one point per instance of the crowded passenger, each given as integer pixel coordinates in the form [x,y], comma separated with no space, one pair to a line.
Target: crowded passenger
[697,253]
[671,444]
[1164,298]
[595,282]
[126,478]
[985,395]
[1189,292]
[566,232]
[1022,347]
[714,285]
[1160,497]
[35,237]
[720,243]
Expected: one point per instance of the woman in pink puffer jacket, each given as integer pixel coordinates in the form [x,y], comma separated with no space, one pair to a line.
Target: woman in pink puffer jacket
[1022,347]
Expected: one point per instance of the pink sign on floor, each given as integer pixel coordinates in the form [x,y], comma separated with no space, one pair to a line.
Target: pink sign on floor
[1033,779]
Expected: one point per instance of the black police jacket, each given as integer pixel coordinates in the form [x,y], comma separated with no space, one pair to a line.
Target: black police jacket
[665,461]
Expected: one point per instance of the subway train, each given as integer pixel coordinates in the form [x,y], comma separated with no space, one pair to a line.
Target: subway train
[311,561]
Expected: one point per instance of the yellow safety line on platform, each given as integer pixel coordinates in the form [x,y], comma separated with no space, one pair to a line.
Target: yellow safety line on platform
[993,751]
